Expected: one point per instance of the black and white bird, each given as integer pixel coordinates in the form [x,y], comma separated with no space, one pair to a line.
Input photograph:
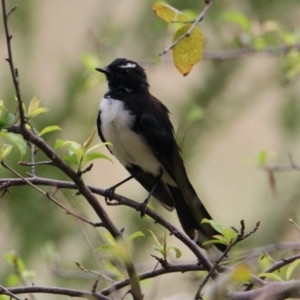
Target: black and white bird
[138,126]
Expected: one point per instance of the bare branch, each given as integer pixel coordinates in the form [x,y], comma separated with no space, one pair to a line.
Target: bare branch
[46,194]
[13,70]
[54,291]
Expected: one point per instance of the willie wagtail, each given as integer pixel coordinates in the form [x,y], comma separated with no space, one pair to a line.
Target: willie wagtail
[138,126]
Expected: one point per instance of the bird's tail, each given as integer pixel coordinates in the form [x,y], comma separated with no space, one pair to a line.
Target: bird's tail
[190,217]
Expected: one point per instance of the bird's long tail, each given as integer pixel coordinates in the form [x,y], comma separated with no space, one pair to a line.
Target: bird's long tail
[191,217]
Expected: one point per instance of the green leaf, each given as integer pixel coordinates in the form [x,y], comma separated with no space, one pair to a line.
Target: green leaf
[188,51]
[71,159]
[110,238]
[214,224]
[49,129]
[135,235]
[271,276]
[17,140]
[92,156]
[12,280]
[6,119]
[229,234]
[87,143]
[213,242]
[177,252]
[34,109]
[98,146]
[238,18]
[155,238]
[106,247]
[13,259]
[168,13]
[195,114]
[5,150]
[291,268]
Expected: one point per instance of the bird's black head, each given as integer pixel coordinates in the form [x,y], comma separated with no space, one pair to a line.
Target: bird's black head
[125,75]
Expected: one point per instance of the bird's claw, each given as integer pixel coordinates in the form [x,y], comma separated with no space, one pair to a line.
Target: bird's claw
[108,194]
[142,209]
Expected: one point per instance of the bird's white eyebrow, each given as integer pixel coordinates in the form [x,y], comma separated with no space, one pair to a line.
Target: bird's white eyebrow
[128,65]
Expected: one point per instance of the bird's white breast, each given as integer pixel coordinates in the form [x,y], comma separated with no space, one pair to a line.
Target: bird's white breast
[128,146]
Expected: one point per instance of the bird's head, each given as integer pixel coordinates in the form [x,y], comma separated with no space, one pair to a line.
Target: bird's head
[125,75]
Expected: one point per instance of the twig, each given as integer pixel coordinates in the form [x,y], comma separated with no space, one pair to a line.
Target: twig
[55,291]
[241,236]
[280,264]
[14,71]
[168,268]
[46,194]
[199,19]
[9,293]
[38,163]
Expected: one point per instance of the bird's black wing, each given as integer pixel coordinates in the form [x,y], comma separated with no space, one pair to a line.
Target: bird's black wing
[100,132]
[158,132]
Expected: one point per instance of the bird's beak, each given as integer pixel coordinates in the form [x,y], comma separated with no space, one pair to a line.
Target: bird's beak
[103,70]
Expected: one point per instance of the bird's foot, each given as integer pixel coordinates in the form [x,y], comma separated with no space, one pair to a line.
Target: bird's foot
[108,193]
[142,208]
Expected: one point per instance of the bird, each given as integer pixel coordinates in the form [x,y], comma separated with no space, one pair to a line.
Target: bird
[138,126]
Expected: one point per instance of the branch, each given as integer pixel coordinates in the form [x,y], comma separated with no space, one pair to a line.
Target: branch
[14,71]
[195,23]
[282,263]
[9,293]
[271,291]
[167,268]
[54,291]
[121,200]
[46,194]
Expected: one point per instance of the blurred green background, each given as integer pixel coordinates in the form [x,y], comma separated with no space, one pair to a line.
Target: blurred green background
[242,106]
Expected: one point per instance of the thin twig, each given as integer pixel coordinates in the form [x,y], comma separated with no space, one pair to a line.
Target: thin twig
[13,70]
[55,291]
[240,237]
[46,194]
[38,163]
[195,23]
[9,293]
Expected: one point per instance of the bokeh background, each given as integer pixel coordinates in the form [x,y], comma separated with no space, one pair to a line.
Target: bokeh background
[244,106]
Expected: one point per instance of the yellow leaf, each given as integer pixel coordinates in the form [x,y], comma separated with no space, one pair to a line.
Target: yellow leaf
[87,143]
[34,104]
[241,273]
[168,13]
[189,50]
